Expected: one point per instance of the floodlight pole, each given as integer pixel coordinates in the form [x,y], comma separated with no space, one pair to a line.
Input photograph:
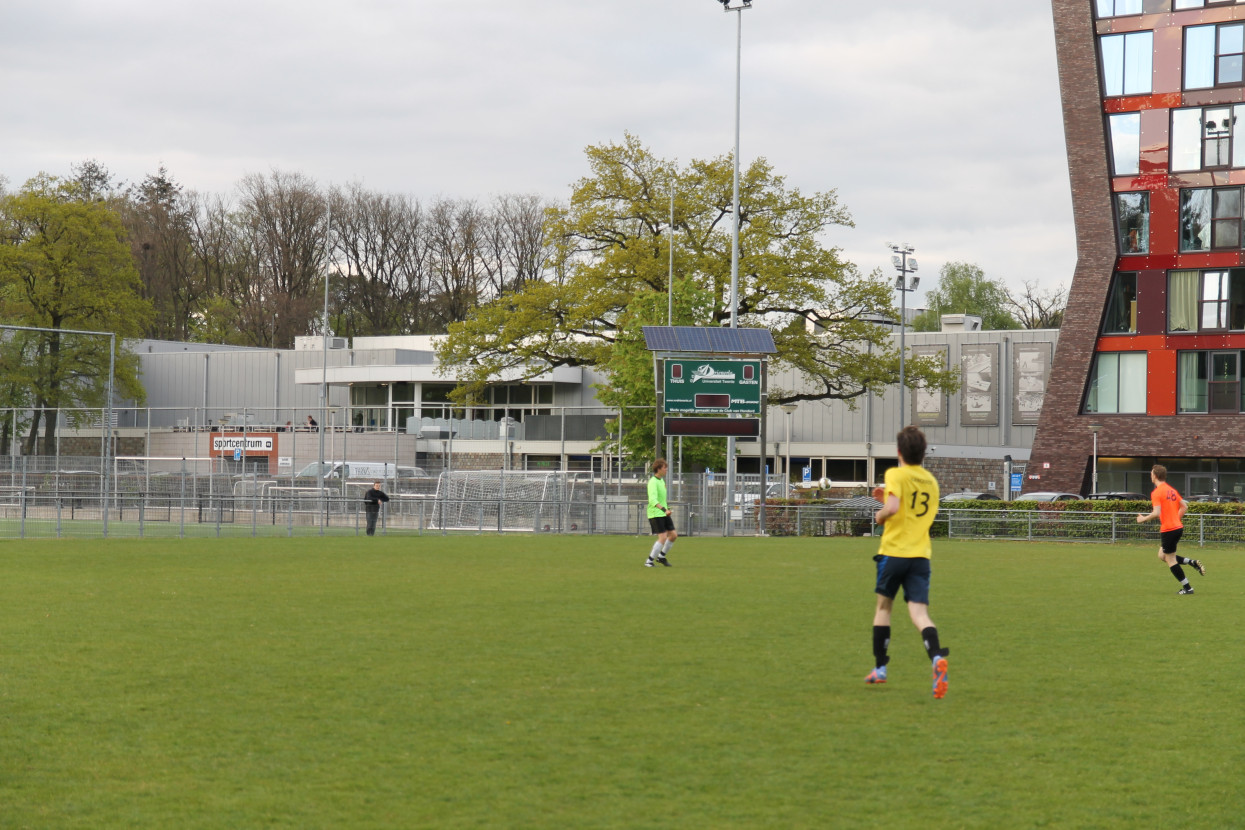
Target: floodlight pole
[905,266]
[730,442]
[788,408]
[324,376]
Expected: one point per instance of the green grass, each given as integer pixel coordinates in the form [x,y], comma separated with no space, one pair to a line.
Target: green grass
[482,681]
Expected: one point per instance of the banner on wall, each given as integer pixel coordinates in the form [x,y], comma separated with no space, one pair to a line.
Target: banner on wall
[1031,372]
[979,385]
[929,406]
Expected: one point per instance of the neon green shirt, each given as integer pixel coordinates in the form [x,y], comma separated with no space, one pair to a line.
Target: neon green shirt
[656,497]
[906,534]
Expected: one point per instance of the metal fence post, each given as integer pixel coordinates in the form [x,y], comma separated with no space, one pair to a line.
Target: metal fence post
[181,506]
[22,500]
[1113,528]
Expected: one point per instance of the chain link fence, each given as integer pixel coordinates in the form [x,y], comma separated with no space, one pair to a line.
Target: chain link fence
[48,497]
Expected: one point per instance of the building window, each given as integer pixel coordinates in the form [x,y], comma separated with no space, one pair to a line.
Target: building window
[1225,382]
[1209,382]
[1210,218]
[1213,55]
[1127,63]
[1117,383]
[1206,301]
[515,400]
[1125,130]
[1116,8]
[1191,381]
[1197,4]
[1132,214]
[1207,138]
[1122,306]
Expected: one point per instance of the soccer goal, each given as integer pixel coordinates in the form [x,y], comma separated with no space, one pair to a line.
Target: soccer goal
[505,500]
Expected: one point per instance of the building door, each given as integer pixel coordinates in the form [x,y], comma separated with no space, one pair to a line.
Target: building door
[1200,485]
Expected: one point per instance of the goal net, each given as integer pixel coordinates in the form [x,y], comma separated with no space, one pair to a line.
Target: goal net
[506,499]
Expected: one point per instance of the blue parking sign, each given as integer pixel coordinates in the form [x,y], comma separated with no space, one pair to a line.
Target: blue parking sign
[808,473]
[237,453]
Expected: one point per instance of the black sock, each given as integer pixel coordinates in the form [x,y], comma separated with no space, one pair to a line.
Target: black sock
[1178,572]
[881,640]
[930,637]
[1183,560]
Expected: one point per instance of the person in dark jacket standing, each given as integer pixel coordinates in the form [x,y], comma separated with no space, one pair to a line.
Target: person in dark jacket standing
[371,504]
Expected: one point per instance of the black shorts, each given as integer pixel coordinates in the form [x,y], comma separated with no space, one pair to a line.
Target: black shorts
[912,574]
[661,524]
[1168,539]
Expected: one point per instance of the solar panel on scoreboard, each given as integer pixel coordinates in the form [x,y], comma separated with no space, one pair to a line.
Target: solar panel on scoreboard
[713,340]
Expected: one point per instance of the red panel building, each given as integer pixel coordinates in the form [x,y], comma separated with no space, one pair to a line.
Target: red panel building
[1151,354]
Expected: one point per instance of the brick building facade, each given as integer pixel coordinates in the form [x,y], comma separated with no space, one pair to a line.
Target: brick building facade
[1153,342]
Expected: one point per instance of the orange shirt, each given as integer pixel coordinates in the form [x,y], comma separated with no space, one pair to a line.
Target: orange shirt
[1167,500]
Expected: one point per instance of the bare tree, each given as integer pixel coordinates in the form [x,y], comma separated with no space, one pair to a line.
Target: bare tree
[377,244]
[158,218]
[285,223]
[453,234]
[1037,309]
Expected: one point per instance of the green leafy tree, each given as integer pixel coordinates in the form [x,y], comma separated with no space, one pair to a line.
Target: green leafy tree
[611,249]
[963,288]
[65,263]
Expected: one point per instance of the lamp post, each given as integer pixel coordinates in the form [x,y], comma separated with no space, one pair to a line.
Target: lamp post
[1094,429]
[789,409]
[737,6]
[902,259]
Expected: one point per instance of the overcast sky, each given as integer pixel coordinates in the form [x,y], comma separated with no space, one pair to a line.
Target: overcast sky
[938,124]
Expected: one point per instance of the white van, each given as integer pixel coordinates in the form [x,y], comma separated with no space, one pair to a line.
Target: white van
[359,471]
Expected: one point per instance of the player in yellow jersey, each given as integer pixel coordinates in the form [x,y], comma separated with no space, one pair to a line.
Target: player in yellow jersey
[909,504]
[1169,509]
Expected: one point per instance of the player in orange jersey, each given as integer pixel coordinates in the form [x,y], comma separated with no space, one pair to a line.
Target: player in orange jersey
[1169,509]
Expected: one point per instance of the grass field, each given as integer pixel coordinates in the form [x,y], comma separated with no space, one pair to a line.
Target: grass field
[554,682]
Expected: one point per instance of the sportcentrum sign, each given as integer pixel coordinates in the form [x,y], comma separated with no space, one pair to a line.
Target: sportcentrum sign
[713,385]
[253,443]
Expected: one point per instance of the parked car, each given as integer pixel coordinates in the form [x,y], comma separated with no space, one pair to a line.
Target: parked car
[1046,496]
[967,496]
[1118,496]
[1221,499]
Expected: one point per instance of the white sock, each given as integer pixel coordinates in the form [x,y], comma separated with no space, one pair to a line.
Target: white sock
[656,552]
[666,547]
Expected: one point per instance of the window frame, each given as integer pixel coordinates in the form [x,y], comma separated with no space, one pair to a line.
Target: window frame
[1114,293]
[1219,220]
[1115,4]
[1130,47]
[1129,128]
[1133,241]
[1132,385]
[1217,56]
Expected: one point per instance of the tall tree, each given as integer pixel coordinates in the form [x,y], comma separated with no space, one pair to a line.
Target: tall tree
[65,264]
[963,288]
[157,216]
[1038,309]
[611,247]
[380,263]
[283,224]
[454,234]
